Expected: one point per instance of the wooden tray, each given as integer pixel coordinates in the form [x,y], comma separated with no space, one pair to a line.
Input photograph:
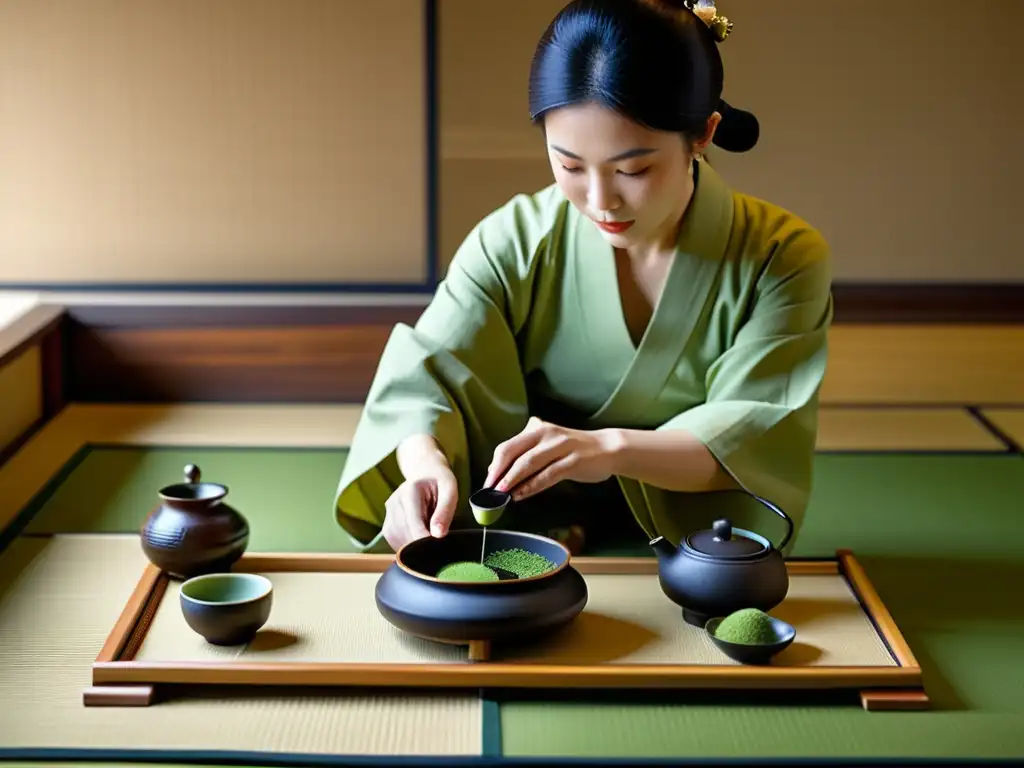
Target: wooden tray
[325,630]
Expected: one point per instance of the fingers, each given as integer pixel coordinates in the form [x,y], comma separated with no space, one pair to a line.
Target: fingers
[447,501]
[553,473]
[416,519]
[405,516]
[510,450]
[550,450]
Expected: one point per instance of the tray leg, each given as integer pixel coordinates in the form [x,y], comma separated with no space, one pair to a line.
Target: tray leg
[479,650]
[118,696]
[892,701]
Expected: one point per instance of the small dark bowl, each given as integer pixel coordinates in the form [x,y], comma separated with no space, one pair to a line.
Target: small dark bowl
[227,608]
[760,653]
[411,597]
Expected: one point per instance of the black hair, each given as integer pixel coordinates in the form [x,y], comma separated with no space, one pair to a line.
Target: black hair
[654,61]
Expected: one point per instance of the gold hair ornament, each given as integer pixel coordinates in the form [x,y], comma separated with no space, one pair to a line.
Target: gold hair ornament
[705,10]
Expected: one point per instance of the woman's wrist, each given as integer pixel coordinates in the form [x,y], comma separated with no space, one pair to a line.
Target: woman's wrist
[674,460]
[420,455]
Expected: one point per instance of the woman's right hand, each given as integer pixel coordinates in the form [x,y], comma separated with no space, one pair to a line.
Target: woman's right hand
[424,505]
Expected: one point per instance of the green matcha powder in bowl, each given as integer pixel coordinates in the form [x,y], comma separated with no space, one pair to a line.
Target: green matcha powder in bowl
[747,627]
[522,563]
[750,636]
[519,563]
[467,571]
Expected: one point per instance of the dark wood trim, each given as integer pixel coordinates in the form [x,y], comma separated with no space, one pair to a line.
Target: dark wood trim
[163,317]
[914,303]
[326,353]
[302,354]
[42,327]
[52,348]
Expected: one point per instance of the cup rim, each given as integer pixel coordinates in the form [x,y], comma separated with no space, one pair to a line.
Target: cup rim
[210,492]
[266,587]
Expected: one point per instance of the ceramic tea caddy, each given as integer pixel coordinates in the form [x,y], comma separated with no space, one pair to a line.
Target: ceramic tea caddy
[411,597]
[193,532]
[716,572]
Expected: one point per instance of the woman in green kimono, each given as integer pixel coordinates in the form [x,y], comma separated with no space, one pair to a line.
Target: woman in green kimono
[637,349]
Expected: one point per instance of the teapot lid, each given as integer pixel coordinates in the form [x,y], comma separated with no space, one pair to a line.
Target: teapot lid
[728,543]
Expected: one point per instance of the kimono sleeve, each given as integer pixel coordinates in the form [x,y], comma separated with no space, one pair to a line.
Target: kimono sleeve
[760,415]
[455,375]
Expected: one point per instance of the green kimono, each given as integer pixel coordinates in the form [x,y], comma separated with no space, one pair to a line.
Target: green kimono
[528,321]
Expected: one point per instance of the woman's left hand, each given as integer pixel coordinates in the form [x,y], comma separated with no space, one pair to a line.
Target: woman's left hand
[544,454]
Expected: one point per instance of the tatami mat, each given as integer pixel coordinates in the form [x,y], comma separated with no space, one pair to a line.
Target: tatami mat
[1009,421]
[281,426]
[59,599]
[928,364]
[628,620]
[909,429]
[303,627]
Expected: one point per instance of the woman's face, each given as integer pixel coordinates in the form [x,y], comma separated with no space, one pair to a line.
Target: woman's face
[632,182]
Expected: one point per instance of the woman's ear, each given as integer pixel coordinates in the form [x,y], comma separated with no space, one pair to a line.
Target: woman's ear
[709,133]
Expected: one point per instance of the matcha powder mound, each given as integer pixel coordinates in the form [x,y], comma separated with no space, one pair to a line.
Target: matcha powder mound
[522,563]
[467,571]
[748,626]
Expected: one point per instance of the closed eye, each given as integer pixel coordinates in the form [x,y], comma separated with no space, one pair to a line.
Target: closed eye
[636,173]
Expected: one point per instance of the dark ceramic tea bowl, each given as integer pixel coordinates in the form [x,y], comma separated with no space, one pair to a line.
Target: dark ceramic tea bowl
[227,608]
[753,653]
[414,599]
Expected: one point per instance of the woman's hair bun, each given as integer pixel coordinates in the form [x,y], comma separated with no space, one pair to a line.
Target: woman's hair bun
[738,130]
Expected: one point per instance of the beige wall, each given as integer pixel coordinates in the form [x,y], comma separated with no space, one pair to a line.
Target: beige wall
[211,140]
[170,141]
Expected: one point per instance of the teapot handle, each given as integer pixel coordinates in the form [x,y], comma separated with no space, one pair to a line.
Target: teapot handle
[780,513]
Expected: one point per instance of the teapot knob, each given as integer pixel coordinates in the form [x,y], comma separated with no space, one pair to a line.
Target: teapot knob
[191,473]
[723,530]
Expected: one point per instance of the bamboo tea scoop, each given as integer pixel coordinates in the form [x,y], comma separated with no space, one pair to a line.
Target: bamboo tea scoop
[488,505]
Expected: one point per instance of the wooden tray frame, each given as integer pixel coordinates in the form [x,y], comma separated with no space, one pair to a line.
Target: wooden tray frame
[119,680]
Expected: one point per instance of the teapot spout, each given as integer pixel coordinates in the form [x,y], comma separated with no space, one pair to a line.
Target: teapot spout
[663,548]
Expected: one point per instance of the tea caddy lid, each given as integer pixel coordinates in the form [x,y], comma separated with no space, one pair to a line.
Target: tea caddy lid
[193,489]
[723,542]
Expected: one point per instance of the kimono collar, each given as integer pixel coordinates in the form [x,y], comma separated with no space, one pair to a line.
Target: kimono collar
[708,221]
[635,374]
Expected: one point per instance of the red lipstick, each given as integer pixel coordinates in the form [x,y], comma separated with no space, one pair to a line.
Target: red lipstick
[614,227]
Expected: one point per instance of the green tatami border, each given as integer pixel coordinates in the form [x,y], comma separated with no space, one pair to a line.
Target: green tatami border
[113,758]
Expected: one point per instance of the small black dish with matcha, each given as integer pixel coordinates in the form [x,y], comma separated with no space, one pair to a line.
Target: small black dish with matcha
[750,636]
[438,588]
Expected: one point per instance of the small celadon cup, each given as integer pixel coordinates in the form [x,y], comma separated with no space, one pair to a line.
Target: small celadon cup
[227,608]
[488,505]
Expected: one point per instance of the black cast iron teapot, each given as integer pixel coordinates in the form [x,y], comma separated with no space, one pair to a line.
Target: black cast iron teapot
[714,573]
